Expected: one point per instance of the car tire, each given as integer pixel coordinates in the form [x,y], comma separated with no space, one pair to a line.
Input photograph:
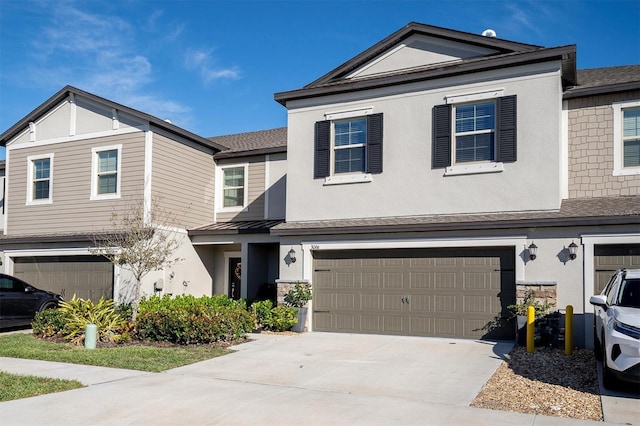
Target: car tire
[597,346]
[609,381]
[48,305]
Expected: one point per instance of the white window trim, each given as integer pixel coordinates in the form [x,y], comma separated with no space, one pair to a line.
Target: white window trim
[457,169]
[94,172]
[30,159]
[618,147]
[347,177]
[220,189]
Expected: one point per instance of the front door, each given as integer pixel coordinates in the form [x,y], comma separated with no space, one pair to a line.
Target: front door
[235,277]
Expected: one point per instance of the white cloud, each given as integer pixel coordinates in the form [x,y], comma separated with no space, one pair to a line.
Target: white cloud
[202,61]
[99,53]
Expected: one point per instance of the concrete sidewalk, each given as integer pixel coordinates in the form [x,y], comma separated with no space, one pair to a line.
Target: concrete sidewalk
[313,378]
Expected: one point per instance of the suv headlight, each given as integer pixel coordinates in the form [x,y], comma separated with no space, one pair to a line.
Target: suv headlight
[626,329]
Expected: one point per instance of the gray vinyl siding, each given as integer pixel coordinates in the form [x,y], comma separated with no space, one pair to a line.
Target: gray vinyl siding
[183,181]
[255,187]
[71,209]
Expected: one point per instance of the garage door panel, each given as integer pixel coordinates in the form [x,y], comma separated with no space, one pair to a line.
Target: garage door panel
[420,303]
[393,280]
[371,302]
[609,258]
[420,280]
[423,292]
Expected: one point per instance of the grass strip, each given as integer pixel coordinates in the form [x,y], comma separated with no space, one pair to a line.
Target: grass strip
[13,386]
[132,357]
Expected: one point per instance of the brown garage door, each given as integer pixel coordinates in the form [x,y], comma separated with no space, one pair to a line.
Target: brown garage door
[609,258]
[88,277]
[448,293]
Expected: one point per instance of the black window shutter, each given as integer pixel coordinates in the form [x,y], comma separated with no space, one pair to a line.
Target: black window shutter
[507,129]
[322,145]
[374,143]
[441,148]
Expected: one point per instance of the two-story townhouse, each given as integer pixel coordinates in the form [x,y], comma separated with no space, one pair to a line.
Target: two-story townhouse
[432,179]
[250,188]
[74,161]
[2,173]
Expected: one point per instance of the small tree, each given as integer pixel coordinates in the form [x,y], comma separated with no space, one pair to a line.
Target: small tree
[138,241]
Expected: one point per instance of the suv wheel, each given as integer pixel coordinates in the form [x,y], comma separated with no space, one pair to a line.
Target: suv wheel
[609,381]
[597,346]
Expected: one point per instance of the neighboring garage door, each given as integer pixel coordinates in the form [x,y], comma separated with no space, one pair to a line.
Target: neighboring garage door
[427,292]
[610,258]
[88,277]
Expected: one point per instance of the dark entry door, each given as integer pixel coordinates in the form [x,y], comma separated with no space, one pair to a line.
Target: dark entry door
[235,277]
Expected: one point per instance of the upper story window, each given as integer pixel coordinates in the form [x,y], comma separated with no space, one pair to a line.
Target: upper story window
[348,150]
[626,135]
[477,136]
[233,187]
[105,180]
[40,179]
[349,144]
[474,138]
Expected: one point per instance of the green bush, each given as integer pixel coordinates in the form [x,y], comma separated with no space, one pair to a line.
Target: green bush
[299,295]
[283,318]
[262,311]
[80,312]
[49,322]
[186,319]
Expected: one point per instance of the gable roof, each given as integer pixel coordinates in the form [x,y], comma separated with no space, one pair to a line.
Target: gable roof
[594,81]
[507,53]
[252,143]
[67,90]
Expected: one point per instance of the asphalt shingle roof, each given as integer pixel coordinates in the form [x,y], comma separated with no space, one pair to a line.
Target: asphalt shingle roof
[583,211]
[274,139]
[596,77]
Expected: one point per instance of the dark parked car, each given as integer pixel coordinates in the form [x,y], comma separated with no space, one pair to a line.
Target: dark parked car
[19,301]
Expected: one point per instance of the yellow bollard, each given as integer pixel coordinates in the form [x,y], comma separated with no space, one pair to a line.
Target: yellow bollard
[568,331]
[531,320]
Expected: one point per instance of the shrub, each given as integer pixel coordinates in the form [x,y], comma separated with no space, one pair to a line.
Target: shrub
[299,295]
[283,318]
[186,319]
[80,312]
[49,322]
[262,311]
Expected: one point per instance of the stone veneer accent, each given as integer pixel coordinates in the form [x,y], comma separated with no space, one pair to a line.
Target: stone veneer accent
[543,291]
[591,148]
[283,287]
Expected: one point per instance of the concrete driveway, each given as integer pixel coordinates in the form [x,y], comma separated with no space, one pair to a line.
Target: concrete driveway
[307,379]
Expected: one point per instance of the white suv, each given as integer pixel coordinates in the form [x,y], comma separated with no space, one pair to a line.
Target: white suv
[617,327]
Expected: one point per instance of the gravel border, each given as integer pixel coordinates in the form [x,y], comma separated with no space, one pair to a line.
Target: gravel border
[545,382]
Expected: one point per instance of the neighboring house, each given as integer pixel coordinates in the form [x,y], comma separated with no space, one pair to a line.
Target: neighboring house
[425,170]
[78,158]
[250,200]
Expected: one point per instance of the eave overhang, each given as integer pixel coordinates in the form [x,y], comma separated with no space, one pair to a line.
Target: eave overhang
[566,54]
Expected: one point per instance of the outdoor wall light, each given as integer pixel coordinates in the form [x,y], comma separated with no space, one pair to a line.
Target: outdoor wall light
[533,251]
[292,255]
[573,250]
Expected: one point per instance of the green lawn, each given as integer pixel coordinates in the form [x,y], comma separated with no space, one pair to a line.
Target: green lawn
[17,387]
[136,357]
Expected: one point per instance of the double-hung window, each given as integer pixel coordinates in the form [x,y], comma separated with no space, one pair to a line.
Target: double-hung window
[105,181]
[233,187]
[626,134]
[475,133]
[348,147]
[40,179]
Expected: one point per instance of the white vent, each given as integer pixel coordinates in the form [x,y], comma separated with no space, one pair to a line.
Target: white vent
[489,33]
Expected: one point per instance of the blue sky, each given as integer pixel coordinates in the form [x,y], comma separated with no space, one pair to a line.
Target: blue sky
[212,67]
